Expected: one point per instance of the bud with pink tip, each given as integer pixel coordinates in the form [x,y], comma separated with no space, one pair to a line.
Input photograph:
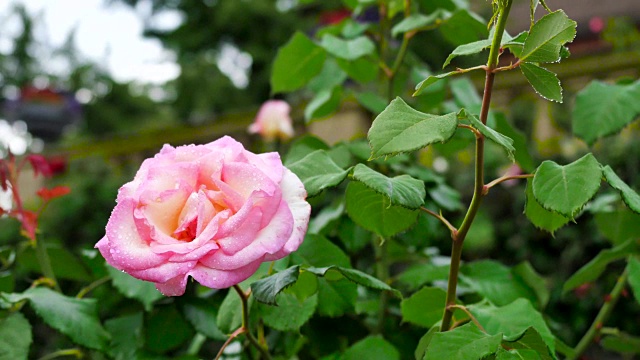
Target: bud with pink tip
[273,121]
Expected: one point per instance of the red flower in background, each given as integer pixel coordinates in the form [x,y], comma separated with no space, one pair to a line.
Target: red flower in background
[49,194]
[9,174]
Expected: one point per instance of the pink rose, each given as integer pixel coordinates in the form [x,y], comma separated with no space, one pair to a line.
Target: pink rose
[214,212]
[273,121]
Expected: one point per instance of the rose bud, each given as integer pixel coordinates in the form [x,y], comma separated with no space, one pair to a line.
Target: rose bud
[273,121]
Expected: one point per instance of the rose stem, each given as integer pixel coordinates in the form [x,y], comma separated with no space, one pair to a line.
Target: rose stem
[45,262]
[479,187]
[382,273]
[245,323]
[603,315]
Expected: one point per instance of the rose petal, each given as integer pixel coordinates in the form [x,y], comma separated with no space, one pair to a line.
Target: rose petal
[162,209]
[163,272]
[173,287]
[268,163]
[269,240]
[294,194]
[126,248]
[185,247]
[246,178]
[221,279]
[240,229]
[196,254]
[252,183]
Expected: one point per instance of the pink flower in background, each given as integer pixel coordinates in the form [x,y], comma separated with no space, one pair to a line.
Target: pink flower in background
[273,121]
[214,212]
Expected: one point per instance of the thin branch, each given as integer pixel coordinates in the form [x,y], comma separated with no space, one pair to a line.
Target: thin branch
[506,178]
[472,129]
[245,321]
[466,70]
[60,353]
[507,68]
[466,311]
[233,335]
[85,290]
[441,218]
[602,316]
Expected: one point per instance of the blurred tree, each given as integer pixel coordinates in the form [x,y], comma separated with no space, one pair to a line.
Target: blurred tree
[220,42]
[107,106]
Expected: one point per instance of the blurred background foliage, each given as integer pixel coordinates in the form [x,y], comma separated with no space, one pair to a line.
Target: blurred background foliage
[122,123]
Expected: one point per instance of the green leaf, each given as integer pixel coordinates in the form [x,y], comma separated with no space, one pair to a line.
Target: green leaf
[513,320]
[335,298]
[421,274]
[516,44]
[330,76]
[465,93]
[317,251]
[318,171]
[522,154]
[530,341]
[547,36]
[543,81]
[362,70]
[166,329]
[400,128]
[467,49]
[326,219]
[630,197]
[305,286]
[417,22]
[622,343]
[541,217]
[495,281]
[143,291]
[446,197]
[425,307]
[64,263]
[566,189]
[464,27]
[618,226]
[594,268]
[503,354]
[126,336]
[373,347]
[201,314]
[325,103]
[266,290]
[230,314]
[466,342]
[15,337]
[604,109]
[291,312]
[7,281]
[355,276]
[496,137]
[634,277]
[528,275]
[401,190]
[302,147]
[424,342]
[76,318]
[296,63]
[375,213]
[430,80]
[372,101]
[348,49]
